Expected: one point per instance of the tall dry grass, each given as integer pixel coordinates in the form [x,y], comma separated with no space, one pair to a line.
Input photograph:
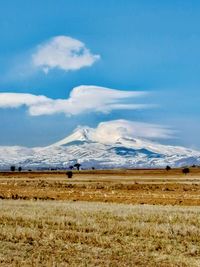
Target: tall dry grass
[53,233]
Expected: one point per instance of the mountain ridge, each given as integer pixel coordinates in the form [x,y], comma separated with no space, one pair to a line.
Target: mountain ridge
[92,150]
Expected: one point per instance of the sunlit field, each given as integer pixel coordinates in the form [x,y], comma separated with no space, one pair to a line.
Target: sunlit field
[118,186]
[55,233]
[100,218]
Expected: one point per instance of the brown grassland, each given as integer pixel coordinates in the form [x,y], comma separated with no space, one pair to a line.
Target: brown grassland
[90,220]
[119,186]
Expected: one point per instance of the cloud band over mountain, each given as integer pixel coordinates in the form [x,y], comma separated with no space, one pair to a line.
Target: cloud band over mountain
[124,128]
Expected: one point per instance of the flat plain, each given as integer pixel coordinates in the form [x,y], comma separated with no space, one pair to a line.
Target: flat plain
[100,218]
[118,186]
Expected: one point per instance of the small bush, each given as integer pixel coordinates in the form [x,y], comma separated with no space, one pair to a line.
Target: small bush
[19,169]
[12,168]
[168,168]
[69,174]
[186,170]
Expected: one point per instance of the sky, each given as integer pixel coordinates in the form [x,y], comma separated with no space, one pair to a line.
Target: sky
[71,63]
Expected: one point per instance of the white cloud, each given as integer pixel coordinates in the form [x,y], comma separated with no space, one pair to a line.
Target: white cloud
[15,100]
[123,128]
[63,52]
[82,99]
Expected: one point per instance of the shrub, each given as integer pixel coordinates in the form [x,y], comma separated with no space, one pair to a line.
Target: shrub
[168,168]
[19,169]
[69,174]
[12,168]
[186,170]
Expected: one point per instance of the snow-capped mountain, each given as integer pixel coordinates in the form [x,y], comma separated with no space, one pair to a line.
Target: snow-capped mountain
[91,149]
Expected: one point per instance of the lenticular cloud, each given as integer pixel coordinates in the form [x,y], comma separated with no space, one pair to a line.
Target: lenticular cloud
[133,129]
[82,99]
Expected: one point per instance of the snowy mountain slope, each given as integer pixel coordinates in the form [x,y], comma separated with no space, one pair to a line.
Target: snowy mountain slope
[84,146]
[88,135]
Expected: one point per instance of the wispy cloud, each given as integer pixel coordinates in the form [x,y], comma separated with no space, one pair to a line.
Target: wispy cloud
[82,99]
[63,52]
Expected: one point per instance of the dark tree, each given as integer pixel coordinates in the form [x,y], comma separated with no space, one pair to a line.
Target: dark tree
[93,168]
[186,170]
[71,167]
[69,174]
[77,165]
[168,168]
[12,168]
[19,169]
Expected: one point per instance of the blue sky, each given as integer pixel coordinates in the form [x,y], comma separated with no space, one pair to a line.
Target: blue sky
[151,46]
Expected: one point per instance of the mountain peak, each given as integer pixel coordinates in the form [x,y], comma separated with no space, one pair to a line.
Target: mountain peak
[82,134]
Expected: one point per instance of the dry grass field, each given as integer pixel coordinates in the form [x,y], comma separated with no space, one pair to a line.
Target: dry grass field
[119,186]
[47,219]
[57,233]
